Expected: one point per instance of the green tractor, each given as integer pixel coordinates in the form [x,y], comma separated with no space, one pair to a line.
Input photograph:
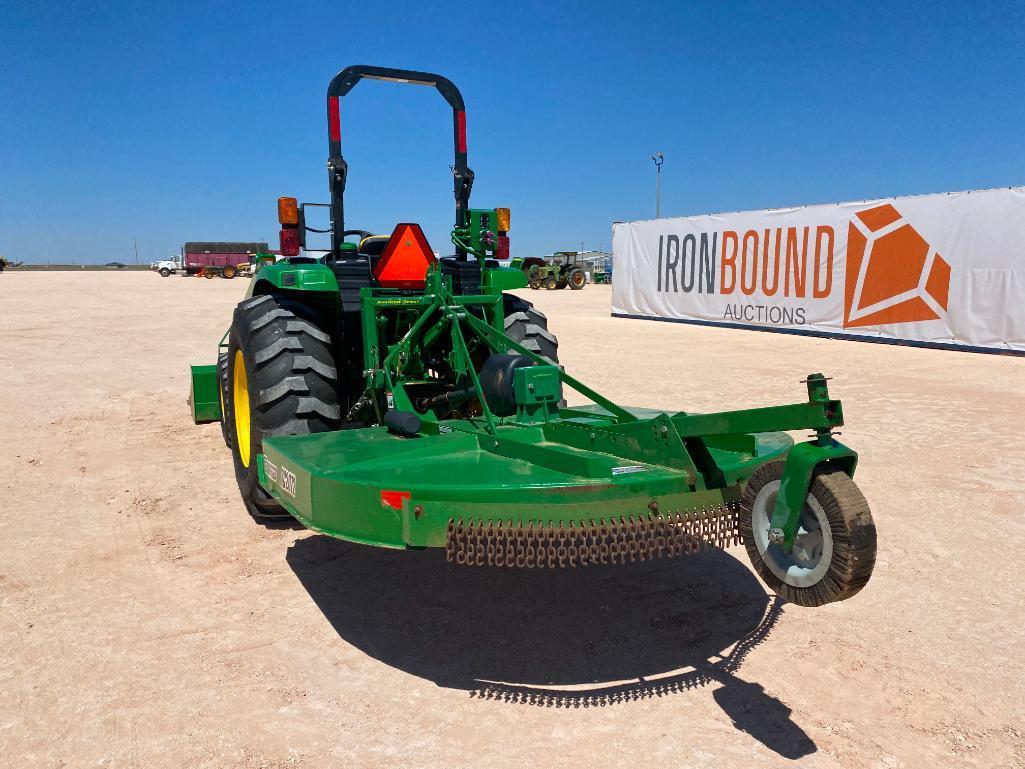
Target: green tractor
[259,261]
[558,271]
[387,397]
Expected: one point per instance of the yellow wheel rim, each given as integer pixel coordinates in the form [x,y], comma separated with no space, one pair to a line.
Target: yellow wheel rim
[240,407]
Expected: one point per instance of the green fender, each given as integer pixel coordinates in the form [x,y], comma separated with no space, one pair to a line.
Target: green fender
[798,471]
[498,279]
[293,277]
[205,395]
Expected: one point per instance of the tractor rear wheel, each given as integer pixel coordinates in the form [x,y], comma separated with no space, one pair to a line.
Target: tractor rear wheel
[228,272]
[223,391]
[835,548]
[529,326]
[283,382]
[577,279]
[551,283]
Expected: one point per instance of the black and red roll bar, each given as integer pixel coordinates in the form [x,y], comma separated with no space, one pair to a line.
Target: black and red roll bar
[344,82]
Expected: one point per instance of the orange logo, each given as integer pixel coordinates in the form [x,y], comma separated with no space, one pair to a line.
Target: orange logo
[893,275]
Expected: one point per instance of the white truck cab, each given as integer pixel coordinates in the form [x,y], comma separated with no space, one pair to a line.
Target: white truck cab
[167,266]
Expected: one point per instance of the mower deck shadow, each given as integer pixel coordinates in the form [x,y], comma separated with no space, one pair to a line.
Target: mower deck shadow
[582,637]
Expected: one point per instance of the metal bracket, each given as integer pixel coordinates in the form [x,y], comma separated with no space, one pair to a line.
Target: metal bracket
[798,472]
[801,462]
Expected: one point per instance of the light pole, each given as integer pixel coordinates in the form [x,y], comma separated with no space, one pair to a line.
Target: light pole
[659,159]
[136,247]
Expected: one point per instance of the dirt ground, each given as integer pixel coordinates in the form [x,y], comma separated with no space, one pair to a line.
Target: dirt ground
[146,621]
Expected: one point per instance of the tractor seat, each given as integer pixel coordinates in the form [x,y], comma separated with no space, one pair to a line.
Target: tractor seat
[373,245]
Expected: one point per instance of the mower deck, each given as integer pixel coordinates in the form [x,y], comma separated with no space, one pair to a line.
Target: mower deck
[368,485]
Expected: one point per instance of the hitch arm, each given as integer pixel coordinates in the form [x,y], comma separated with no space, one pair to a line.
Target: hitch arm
[819,413]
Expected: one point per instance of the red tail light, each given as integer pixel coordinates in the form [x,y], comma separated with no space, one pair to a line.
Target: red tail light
[289,239]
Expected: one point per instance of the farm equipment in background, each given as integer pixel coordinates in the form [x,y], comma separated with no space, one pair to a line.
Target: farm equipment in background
[561,269]
[6,264]
[226,257]
[387,397]
[258,262]
[602,272]
[227,271]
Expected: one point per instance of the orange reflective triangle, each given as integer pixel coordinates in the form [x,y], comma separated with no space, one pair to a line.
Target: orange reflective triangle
[406,258]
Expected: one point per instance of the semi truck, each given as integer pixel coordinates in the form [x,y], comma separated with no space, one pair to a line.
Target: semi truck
[226,258]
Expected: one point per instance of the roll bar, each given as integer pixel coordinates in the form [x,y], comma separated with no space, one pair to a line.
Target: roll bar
[338,169]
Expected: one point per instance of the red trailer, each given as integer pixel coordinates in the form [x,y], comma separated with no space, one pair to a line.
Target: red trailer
[224,257]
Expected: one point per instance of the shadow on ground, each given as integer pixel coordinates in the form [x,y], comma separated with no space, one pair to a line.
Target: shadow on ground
[558,638]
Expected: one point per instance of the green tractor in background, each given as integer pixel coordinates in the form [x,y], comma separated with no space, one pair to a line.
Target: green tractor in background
[388,397]
[259,261]
[559,270]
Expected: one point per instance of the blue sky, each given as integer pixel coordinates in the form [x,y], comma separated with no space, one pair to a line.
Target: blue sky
[185,121]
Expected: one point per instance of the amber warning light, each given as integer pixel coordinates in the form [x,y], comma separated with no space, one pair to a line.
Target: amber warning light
[502,215]
[288,215]
[288,211]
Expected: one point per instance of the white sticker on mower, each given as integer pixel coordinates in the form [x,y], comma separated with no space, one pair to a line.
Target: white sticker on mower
[271,470]
[625,469]
[287,483]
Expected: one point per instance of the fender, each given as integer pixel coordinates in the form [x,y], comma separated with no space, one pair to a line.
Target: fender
[305,276]
[499,279]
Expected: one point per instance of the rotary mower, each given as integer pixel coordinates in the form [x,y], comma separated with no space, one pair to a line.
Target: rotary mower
[388,397]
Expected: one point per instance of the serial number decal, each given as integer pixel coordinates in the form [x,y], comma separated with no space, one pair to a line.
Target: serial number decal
[271,469]
[287,483]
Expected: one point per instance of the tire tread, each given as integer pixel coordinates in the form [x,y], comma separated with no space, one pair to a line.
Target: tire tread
[851,524]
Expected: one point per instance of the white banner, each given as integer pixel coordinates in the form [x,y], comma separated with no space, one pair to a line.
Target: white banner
[940,270]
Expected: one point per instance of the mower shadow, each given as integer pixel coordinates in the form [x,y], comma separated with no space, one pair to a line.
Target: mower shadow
[610,634]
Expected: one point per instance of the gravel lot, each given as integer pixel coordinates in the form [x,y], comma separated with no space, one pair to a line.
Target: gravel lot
[146,621]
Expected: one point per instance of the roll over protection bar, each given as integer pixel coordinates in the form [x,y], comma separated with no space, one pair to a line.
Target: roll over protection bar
[344,82]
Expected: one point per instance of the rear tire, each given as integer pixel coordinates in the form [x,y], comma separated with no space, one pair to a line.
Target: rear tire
[282,366]
[551,283]
[577,279]
[228,272]
[529,326]
[838,552]
[222,384]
